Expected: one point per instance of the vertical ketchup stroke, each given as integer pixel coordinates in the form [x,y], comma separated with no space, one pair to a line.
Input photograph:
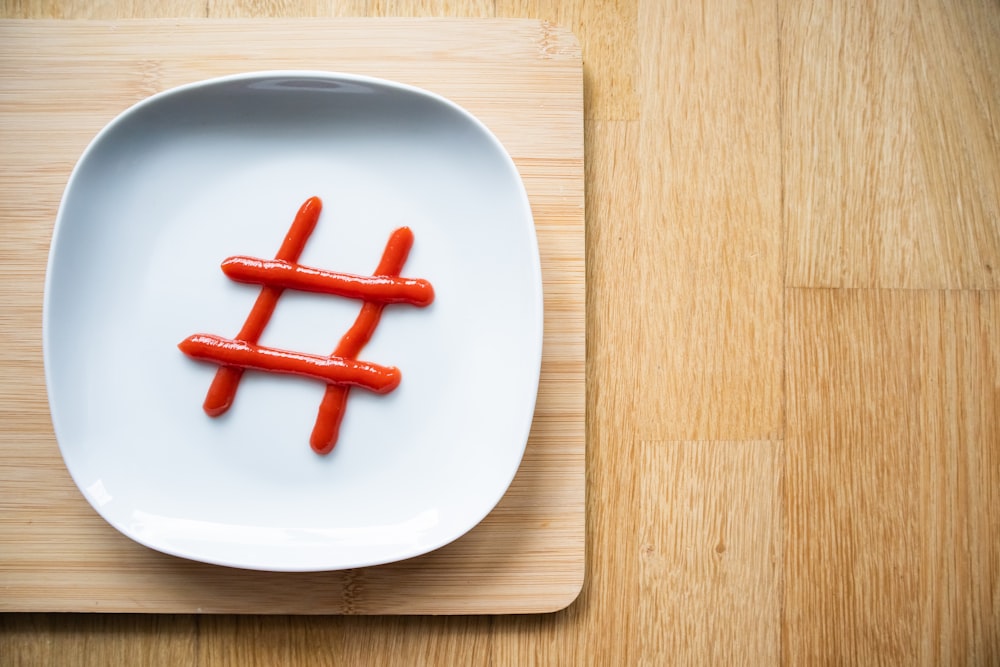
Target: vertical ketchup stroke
[331,410]
[227,378]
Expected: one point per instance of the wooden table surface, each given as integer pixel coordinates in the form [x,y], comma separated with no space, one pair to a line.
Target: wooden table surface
[793,339]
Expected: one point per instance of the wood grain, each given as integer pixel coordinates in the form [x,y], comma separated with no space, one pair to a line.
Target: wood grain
[55,552]
[105,10]
[893,477]
[279,9]
[891,127]
[463,8]
[764,160]
[609,39]
[709,263]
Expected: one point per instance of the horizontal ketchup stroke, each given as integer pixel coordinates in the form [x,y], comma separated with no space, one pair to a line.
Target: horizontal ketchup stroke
[333,370]
[288,275]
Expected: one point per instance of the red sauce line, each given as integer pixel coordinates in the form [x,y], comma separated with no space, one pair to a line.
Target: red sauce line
[333,370]
[287,275]
[331,410]
[223,389]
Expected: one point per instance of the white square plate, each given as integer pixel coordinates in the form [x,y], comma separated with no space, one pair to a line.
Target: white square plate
[193,175]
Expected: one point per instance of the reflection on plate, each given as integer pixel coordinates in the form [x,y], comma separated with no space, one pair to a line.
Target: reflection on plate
[191,176]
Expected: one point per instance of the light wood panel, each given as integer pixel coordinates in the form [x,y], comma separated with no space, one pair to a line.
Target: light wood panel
[98,639]
[893,477]
[710,539]
[615,235]
[708,266]
[103,9]
[609,38]
[891,131]
[464,8]
[55,552]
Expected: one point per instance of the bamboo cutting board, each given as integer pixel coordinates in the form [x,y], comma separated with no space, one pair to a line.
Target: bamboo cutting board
[60,82]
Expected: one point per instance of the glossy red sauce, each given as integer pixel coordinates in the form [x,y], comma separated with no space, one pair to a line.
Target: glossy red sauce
[227,378]
[331,410]
[341,370]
